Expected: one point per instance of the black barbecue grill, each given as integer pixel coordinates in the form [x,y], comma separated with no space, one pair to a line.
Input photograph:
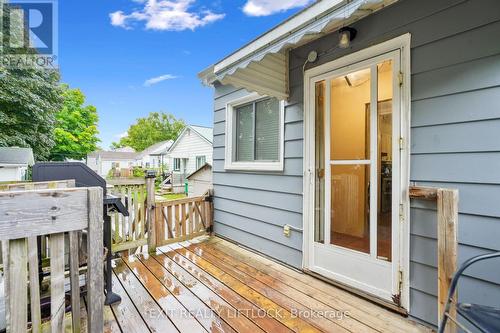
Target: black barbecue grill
[86,177]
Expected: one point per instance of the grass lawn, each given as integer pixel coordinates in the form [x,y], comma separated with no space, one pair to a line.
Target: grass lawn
[173,196]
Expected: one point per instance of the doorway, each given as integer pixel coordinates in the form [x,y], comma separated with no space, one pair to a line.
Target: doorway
[357,168]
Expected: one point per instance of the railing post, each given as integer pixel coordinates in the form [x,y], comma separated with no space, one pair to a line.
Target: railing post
[447,239]
[150,207]
[210,211]
[447,209]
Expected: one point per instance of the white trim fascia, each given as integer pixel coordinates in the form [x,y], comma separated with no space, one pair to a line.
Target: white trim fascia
[171,148]
[229,164]
[286,28]
[8,165]
[402,43]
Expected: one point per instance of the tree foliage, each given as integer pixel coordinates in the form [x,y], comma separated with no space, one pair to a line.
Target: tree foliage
[29,100]
[76,131]
[147,131]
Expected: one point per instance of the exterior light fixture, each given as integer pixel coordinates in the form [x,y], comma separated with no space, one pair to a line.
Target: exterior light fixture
[346,35]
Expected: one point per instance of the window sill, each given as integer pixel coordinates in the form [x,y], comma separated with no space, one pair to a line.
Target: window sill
[254,166]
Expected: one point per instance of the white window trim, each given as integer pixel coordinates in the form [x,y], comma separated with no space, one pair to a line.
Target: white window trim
[173,164]
[229,164]
[199,157]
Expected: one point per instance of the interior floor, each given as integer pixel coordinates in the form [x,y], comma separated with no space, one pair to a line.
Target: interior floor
[362,244]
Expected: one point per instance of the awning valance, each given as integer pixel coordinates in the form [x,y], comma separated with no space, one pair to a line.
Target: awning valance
[262,65]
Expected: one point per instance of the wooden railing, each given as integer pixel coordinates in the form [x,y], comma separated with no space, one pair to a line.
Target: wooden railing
[24,216]
[156,223]
[447,223]
[182,219]
[129,232]
[22,186]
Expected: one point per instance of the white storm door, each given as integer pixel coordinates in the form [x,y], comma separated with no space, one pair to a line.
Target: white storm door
[357,192]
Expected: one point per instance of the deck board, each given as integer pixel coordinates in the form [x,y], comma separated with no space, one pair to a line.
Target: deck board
[362,311]
[212,285]
[243,306]
[289,301]
[142,297]
[198,291]
[297,299]
[270,306]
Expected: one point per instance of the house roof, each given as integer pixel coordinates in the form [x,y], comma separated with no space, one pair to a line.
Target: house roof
[156,149]
[16,155]
[114,155]
[206,133]
[261,65]
[199,169]
[125,149]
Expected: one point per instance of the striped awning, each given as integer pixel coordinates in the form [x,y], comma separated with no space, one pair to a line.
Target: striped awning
[262,65]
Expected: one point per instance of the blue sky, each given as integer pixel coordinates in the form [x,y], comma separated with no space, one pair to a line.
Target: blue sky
[110,49]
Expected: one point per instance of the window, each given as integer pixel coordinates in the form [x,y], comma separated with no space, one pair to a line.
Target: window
[200,161]
[254,129]
[177,164]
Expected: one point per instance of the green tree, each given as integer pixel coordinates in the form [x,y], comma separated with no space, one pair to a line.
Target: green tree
[76,131]
[147,131]
[29,100]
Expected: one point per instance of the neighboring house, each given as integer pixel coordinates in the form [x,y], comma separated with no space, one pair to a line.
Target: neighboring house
[311,128]
[103,161]
[14,163]
[192,149]
[155,156]
[200,181]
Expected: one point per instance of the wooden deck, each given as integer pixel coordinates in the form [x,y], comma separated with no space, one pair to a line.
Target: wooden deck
[216,286]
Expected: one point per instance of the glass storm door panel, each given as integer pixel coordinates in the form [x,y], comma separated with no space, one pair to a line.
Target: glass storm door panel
[356,174]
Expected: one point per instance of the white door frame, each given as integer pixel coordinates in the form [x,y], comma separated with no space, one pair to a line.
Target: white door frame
[401,43]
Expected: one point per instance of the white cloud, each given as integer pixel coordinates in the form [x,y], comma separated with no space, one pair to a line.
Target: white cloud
[118,18]
[269,7]
[158,79]
[171,15]
[121,135]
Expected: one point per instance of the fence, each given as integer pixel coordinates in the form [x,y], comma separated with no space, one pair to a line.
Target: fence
[170,221]
[28,214]
[129,232]
[182,219]
[22,186]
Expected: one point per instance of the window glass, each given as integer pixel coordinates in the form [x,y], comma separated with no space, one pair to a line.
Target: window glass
[177,164]
[200,161]
[267,130]
[244,133]
[350,117]
[257,131]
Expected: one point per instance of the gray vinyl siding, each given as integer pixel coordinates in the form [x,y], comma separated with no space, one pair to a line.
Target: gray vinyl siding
[455,143]
[455,130]
[251,208]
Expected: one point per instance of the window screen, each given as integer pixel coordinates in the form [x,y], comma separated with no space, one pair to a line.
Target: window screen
[257,131]
[267,130]
[244,133]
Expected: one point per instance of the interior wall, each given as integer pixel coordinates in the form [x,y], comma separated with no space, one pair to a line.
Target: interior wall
[350,139]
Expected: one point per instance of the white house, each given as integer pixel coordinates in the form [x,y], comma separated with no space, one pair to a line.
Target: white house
[155,156]
[14,163]
[103,161]
[191,150]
